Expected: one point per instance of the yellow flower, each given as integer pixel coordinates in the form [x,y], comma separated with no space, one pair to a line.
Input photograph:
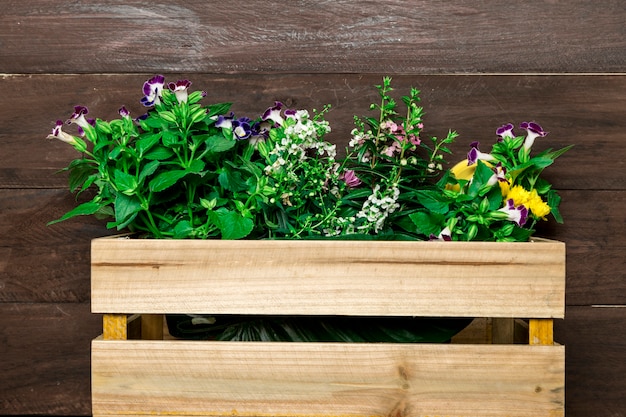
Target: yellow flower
[538,207]
[529,199]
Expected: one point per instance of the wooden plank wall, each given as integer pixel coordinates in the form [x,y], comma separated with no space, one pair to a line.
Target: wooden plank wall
[478,63]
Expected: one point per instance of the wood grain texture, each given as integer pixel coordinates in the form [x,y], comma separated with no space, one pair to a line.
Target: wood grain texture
[595,349]
[51,263]
[308,54]
[133,378]
[302,37]
[45,358]
[436,279]
[40,263]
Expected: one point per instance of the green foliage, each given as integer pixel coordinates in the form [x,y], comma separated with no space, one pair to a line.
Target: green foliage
[188,170]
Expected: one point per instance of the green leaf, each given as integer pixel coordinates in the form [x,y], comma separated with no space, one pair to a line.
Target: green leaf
[166,179]
[218,143]
[124,182]
[170,139]
[146,143]
[248,167]
[433,201]
[495,198]
[481,177]
[115,152]
[153,122]
[160,153]
[182,230]
[196,167]
[80,171]
[554,200]
[231,180]
[428,223]
[233,225]
[149,169]
[168,116]
[218,108]
[126,209]
[85,209]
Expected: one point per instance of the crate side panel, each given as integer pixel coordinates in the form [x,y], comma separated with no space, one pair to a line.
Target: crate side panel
[215,379]
[322,277]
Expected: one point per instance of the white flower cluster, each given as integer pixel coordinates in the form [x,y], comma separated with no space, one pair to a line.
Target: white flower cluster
[377,208]
[358,139]
[340,225]
[299,137]
[371,217]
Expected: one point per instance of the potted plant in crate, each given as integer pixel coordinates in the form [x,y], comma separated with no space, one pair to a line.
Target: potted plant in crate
[253,229]
[185,170]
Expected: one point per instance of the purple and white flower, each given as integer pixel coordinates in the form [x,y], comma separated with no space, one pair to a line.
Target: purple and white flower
[241,128]
[180,89]
[474,154]
[123,111]
[273,114]
[445,235]
[534,131]
[152,90]
[78,117]
[225,121]
[518,214]
[499,175]
[58,133]
[505,131]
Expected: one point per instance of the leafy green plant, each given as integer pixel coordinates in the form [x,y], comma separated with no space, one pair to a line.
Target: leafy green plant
[188,170]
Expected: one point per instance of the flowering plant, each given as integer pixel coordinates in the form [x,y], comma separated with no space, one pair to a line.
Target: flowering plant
[186,170]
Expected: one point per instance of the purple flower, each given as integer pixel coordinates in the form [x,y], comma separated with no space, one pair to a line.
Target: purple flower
[260,132]
[241,128]
[225,122]
[78,117]
[505,131]
[517,214]
[350,178]
[273,113]
[180,89]
[533,131]
[152,90]
[499,175]
[124,112]
[58,133]
[474,155]
[292,113]
[444,235]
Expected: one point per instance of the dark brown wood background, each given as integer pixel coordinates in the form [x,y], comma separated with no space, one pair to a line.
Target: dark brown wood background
[478,63]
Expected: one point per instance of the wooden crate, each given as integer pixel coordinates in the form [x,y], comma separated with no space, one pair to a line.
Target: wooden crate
[502,281]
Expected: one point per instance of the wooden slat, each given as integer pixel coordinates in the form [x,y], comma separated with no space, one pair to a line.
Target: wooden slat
[115,327]
[541,332]
[595,348]
[133,378]
[40,263]
[335,36]
[45,366]
[475,279]
[582,110]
